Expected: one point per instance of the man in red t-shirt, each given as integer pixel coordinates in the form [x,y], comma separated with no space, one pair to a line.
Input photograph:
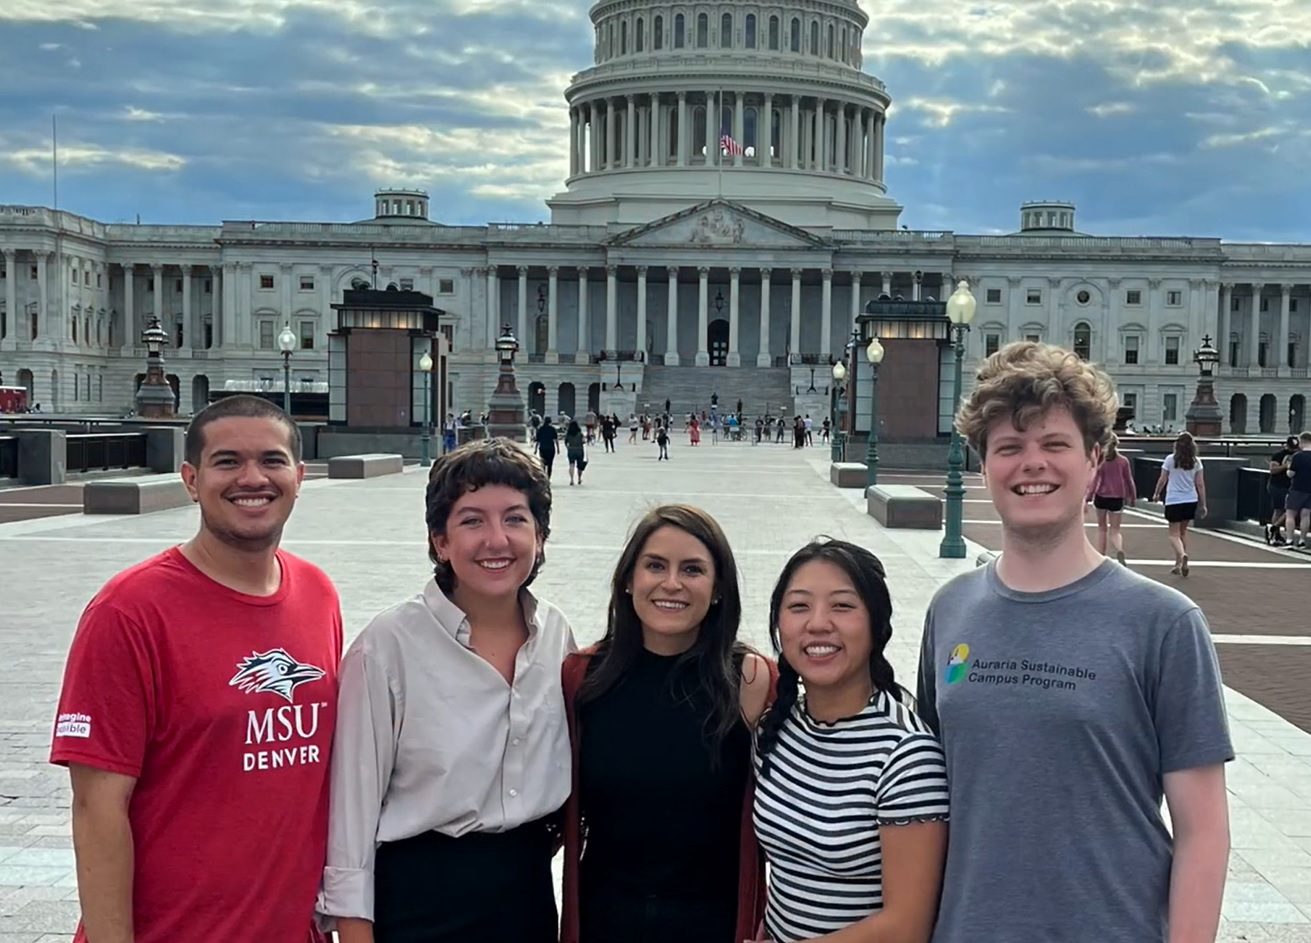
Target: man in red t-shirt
[198,710]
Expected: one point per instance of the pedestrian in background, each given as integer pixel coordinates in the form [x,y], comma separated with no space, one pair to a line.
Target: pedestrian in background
[1184,488]
[1111,488]
[662,440]
[575,450]
[1299,493]
[546,439]
[1277,487]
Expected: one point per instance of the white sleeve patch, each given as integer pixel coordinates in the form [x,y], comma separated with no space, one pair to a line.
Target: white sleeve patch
[73,725]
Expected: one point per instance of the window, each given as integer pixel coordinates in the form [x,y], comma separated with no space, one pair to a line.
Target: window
[3,273]
[814,49]
[306,335]
[209,334]
[177,334]
[773,33]
[726,30]
[266,283]
[678,31]
[1083,340]
[1233,304]
[72,279]
[830,41]
[209,286]
[177,285]
[34,276]
[1033,296]
[74,330]
[407,284]
[658,33]
[623,39]
[1172,351]
[1261,349]
[1083,297]
[86,279]
[751,31]
[1131,401]
[1131,348]
[445,286]
[795,40]
[994,296]
[1292,353]
[1033,338]
[991,344]
[702,31]
[641,35]
[150,286]
[265,335]
[1265,304]
[1133,297]
[307,283]
[1174,298]
[1292,304]
[1233,349]
[98,284]
[1170,407]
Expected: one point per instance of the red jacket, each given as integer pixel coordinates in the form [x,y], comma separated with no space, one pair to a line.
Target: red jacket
[751,866]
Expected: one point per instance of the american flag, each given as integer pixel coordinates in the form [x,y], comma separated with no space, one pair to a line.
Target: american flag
[728,145]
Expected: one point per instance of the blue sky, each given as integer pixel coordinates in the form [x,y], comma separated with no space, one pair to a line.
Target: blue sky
[1177,117]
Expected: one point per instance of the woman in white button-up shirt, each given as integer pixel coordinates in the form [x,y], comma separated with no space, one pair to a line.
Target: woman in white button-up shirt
[451,748]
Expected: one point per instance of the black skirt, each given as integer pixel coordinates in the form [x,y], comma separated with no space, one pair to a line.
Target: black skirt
[483,887]
[1108,504]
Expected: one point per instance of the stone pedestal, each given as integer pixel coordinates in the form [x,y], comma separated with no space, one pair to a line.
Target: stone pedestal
[1204,417]
[505,408]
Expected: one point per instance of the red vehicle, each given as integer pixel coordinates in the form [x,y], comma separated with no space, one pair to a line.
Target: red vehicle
[13,399]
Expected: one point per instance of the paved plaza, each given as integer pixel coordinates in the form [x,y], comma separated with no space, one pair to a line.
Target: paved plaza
[369,537]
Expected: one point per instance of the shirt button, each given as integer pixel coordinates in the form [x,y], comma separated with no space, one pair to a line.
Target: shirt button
[514,742]
[514,793]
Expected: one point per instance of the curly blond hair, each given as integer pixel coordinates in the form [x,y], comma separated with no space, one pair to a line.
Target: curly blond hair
[1025,380]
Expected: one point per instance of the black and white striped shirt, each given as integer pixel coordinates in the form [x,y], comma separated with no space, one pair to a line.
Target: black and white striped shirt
[830,789]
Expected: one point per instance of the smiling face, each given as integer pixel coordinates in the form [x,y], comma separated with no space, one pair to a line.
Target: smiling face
[491,543]
[246,482]
[673,585]
[1037,478]
[824,629]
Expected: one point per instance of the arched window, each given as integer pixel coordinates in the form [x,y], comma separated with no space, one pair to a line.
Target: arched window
[610,43]
[699,130]
[678,31]
[641,35]
[726,30]
[673,134]
[74,323]
[658,33]
[773,33]
[843,47]
[751,31]
[1083,340]
[749,139]
[702,31]
[796,34]
[623,38]
[776,134]
[814,37]
[830,40]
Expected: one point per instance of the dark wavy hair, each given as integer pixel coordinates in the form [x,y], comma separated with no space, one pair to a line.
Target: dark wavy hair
[868,577]
[715,652]
[1185,451]
[496,461]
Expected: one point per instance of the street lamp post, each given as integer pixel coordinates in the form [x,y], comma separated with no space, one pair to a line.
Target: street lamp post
[286,344]
[836,437]
[425,452]
[1204,417]
[874,354]
[960,311]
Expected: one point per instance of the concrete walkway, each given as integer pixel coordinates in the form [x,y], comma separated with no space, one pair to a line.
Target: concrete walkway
[368,535]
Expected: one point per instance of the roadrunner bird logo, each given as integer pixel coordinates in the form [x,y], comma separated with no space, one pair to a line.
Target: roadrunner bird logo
[273,671]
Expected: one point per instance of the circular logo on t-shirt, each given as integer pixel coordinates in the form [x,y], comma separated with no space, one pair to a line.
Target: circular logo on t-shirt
[958,665]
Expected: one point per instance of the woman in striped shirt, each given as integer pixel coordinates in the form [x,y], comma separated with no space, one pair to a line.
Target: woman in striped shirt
[851,795]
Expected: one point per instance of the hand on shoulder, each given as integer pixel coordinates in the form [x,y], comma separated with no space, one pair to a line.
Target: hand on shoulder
[757,675]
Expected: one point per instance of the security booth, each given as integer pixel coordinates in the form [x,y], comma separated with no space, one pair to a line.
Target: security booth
[376,358]
[915,375]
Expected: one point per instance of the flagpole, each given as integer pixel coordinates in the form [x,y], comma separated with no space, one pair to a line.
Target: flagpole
[719,144]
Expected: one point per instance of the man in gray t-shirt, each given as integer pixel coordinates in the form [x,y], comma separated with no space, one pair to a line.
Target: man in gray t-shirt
[1071,695]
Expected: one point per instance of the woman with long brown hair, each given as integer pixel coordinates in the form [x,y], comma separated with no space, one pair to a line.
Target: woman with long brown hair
[658,841]
[1184,486]
[1111,488]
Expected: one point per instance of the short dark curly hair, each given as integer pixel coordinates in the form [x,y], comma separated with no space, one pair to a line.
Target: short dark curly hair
[496,461]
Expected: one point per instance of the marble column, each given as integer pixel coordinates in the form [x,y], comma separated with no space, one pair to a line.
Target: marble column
[12,330]
[43,319]
[880,145]
[522,309]
[1226,321]
[684,138]
[671,320]
[871,138]
[630,133]
[817,135]
[492,309]
[840,153]
[702,319]
[794,334]
[765,140]
[157,282]
[552,316]
[611,310]
[712,130]
[594,137]
[1254,328]
[573,141]
[739,127]
[734,285]
[193,336]
[657,155]
[609,161]
[640,344]
[794,133]
[826,314]
[1279,345]
[1111,347]
[855,299]
[763,358]
[326,321]
[584,354]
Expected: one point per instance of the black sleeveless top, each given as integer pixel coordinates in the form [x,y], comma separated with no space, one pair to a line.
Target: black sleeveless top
[663,819]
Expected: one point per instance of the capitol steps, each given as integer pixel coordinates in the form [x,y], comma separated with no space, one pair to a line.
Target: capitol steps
[688,389]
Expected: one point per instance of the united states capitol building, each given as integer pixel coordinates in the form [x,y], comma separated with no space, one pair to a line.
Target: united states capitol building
[726,210]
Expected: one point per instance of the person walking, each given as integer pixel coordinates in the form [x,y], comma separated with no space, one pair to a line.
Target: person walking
[1299,493]
[575,448]
[632,428]
[1277,487]
[1184,488]
[810,430]
[198,710]
[662,440]
[545,440]
[780,430]
[534,425]
[694,431]
[1111,488]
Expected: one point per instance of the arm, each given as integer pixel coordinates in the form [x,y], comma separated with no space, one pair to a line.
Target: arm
[1160,485]
[1200,480]
[1132,486]
[363,754]
[926,705]
[1095,483]
[754,692]
[1199,811]
[102,842]
[913,859]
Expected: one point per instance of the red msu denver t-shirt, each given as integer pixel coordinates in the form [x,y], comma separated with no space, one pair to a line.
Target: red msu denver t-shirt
[222,706]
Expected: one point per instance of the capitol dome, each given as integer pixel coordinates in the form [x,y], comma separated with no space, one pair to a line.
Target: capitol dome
[734,100]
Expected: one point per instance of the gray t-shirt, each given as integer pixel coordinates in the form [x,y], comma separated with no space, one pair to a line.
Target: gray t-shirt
[1059,713]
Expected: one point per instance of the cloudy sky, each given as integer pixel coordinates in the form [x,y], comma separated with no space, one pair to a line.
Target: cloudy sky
[1191,119]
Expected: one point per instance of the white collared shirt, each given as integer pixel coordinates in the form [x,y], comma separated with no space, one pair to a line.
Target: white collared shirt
[430,737]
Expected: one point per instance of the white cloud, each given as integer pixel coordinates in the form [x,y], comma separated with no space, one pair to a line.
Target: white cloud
[1248,137]
[133,113]
[36,160]
[1108,109]
[942,112]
